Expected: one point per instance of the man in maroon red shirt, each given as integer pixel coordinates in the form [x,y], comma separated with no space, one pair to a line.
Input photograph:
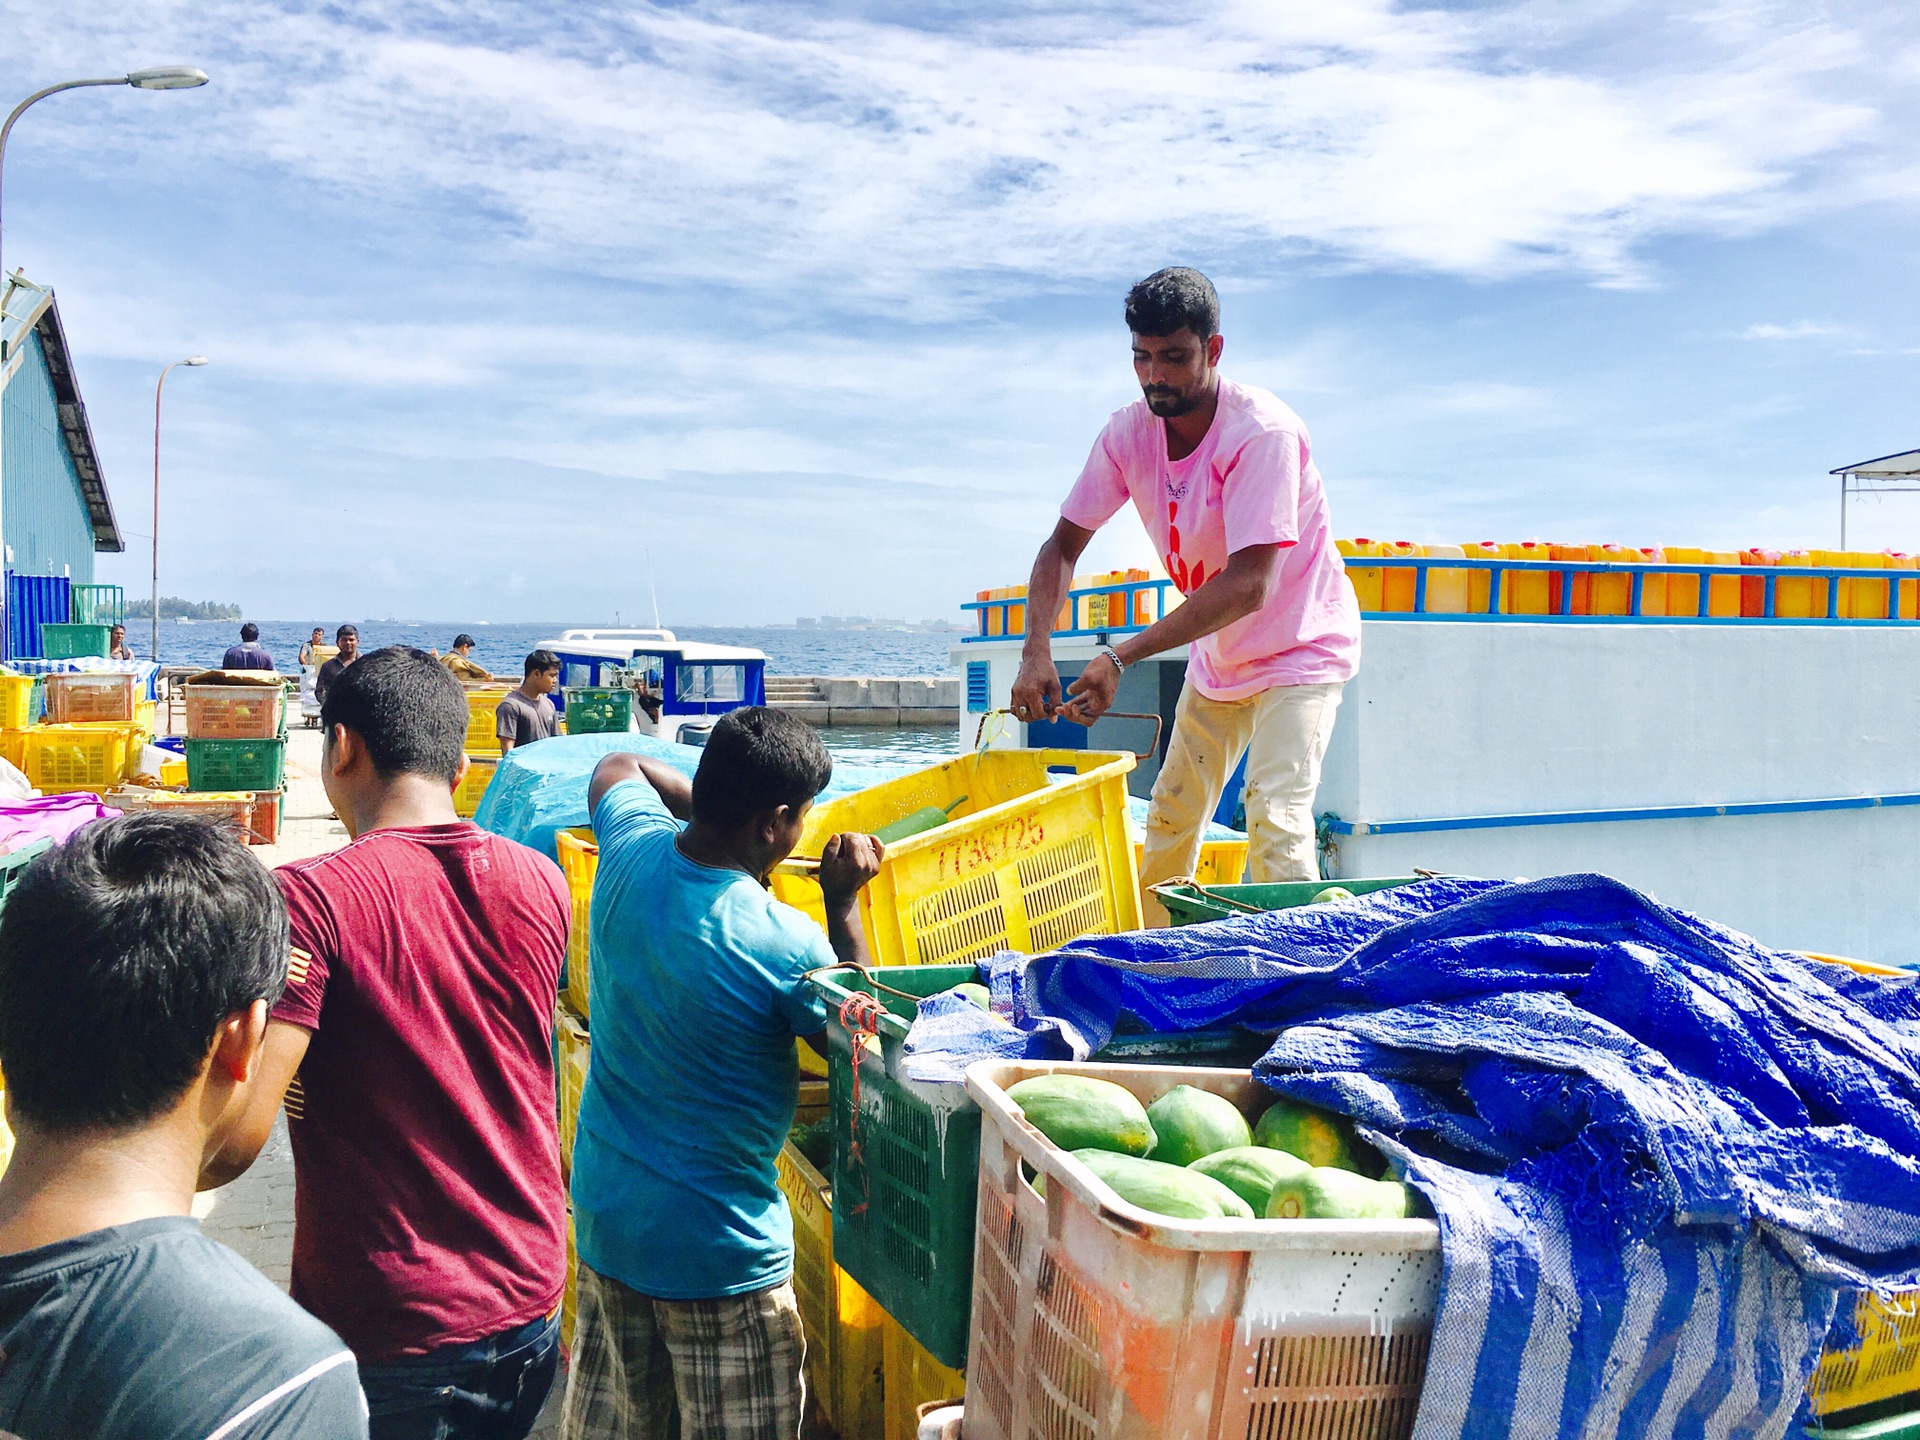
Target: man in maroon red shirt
[429,1214]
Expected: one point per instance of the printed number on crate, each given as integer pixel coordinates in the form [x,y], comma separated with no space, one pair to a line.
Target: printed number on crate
[994,847]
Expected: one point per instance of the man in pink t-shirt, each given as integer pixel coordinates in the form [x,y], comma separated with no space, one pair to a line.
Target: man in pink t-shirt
[1223,477]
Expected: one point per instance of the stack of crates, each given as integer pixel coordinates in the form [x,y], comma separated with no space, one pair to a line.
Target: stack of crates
[95,727]
[483,747]
[237,754]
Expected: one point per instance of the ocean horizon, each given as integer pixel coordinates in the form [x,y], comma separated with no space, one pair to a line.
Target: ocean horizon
[503,647]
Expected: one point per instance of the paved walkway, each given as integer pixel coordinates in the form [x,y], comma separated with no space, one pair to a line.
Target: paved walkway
[254,1214]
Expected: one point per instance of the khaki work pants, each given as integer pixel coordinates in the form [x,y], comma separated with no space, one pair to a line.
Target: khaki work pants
[1284,733]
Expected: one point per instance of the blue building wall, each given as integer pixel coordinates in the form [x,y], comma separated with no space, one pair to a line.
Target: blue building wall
[47,525]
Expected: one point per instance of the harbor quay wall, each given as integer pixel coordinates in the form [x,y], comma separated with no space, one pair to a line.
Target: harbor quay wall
[1495,722]
[882,700]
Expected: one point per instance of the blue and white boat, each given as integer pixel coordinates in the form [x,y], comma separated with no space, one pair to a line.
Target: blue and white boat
[697,683]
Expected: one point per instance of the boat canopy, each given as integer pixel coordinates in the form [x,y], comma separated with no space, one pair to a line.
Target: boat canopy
[691,678]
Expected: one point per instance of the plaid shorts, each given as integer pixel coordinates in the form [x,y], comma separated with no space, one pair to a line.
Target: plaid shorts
[731,1367]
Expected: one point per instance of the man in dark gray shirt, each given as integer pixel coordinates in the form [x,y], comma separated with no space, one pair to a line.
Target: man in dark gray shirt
[137,962]
[525,714]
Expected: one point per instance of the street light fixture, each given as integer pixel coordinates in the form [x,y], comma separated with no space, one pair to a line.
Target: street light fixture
[163,77]
[190,360]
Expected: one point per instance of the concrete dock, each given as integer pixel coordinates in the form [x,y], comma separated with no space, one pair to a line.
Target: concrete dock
[878,700]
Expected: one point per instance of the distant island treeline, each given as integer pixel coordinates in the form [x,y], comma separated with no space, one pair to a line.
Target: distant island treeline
[172,607]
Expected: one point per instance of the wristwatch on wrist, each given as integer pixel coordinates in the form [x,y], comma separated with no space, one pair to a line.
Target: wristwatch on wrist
[1119,665]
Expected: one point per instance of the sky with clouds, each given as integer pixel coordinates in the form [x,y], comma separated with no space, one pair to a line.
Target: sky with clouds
[803,307]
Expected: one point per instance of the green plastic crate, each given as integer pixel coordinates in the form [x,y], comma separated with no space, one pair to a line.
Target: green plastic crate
[71,642]
[97,605]
[594,711]
[1192,904]
[1905,1426]
[14,864]
[236,764]
[903,1220]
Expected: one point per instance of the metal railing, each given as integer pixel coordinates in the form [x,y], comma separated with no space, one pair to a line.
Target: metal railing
[1894,593]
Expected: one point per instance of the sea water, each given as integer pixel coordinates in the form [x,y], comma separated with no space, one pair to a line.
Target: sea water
[503,649]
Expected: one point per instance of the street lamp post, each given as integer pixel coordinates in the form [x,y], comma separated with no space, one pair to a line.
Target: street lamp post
[190,360]
[163,77]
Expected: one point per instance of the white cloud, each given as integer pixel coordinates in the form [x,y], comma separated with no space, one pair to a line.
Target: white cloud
[827,272]
[1797,330]
[777,149]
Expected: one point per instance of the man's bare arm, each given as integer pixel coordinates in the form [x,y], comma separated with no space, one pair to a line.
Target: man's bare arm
[1036,691]
[1236,592]
[674,789]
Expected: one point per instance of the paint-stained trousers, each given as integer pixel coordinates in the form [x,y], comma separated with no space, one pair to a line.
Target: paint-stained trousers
[1284,733]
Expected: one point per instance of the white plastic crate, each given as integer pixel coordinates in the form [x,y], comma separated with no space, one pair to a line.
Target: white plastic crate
[1096,1320]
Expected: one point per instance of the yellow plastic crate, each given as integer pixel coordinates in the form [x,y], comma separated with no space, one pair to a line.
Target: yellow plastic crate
[138,738]
[472,786]
[1037,855]
[173,772]
[1222,862]
[845,1349]
[16,701]
[60,758]
[573,1049]
[1884,1365]
[482,701]
[13,748]
[579,857]
[914,1379]
[570,1294]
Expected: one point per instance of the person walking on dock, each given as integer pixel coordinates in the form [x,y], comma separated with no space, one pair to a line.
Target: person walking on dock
[1222,475]
[525,713]
[249,654]
[347,639]
[430,1217]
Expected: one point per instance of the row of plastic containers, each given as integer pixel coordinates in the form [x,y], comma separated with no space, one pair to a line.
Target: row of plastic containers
[73,732]
[1535,592]
[1112,609]
[482,745]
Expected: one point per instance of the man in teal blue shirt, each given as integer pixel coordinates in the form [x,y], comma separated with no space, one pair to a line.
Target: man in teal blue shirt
[697,990]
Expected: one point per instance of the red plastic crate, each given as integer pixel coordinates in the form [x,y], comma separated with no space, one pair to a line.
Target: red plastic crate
[264,823]
[234,712]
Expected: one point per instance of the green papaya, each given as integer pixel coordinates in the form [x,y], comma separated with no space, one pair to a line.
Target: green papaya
[1189,1122]
[1332,895]
[927,817]
[1169,1190]
[1250,1171]
[1323,1193]
[1316,1136]
[1078,1112]
[978,994]
[815,1141]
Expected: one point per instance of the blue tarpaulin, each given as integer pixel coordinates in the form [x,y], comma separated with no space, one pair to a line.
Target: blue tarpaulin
[1658,1151]
[542,787]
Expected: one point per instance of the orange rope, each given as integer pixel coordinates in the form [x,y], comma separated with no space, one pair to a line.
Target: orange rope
[860,1016]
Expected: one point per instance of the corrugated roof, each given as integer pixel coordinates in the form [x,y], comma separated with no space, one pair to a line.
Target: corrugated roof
[26,306]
